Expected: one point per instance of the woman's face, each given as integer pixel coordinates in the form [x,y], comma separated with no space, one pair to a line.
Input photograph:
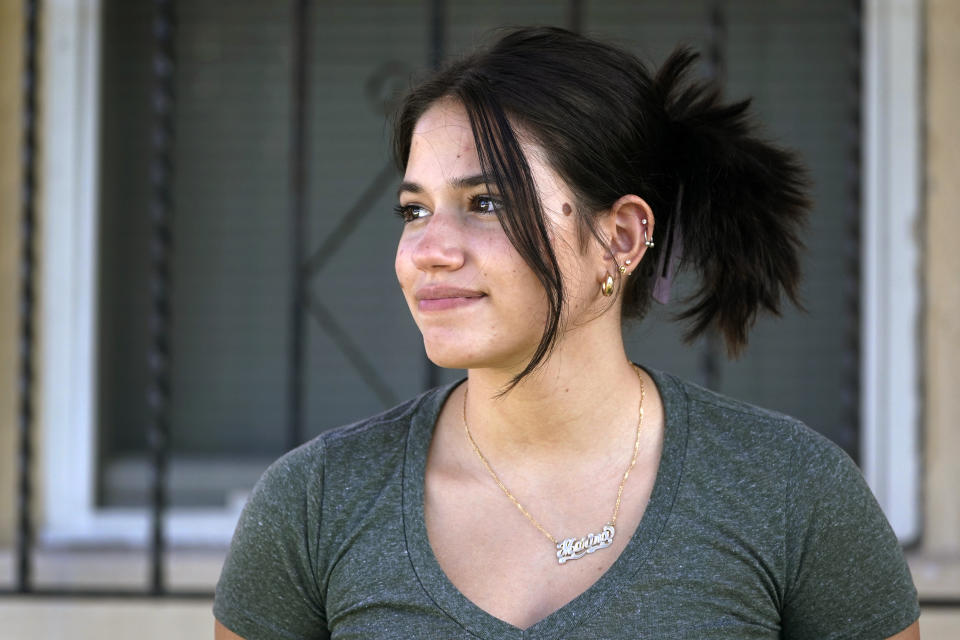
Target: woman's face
[475,300]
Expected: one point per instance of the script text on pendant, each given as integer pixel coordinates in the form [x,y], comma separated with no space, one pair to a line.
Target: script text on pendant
[573,548]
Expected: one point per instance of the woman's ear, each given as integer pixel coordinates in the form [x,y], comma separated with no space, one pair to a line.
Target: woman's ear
[629,227]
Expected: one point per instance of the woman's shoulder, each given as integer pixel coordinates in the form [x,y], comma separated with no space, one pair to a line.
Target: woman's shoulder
[378,440]
[725,426]
[387,425]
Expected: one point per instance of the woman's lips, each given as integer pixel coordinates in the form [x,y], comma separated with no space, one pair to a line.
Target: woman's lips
[438,298]
[441,304]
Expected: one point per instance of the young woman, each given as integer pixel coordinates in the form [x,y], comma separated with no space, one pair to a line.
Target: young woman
[551,187]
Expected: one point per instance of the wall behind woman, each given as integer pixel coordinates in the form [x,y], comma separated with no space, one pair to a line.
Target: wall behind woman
[936,563]
[11,44]
[942,312]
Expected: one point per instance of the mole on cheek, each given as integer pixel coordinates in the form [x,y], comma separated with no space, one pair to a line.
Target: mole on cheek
[567,209]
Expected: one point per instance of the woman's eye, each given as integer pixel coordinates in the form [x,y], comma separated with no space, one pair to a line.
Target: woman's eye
[410,212]
[486,204]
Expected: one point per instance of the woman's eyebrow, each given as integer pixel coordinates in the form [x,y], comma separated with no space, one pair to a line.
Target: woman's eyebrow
[463,182]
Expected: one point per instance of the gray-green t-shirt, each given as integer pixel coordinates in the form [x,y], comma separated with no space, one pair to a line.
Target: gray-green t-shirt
[757,527]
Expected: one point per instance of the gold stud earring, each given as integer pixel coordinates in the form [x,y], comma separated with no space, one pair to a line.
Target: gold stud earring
[606,287]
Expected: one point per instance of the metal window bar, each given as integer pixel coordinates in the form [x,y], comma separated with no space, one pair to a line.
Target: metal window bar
[711,353]
[161,214]
[27,274]
[575,16]
[852,249]
[437,52]
[300,36]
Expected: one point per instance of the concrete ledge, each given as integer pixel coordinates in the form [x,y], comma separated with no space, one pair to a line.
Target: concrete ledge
[936,576]
[939,624]
[187,570]
[45,619]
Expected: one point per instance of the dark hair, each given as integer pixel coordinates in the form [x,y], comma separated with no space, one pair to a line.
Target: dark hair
[610,128]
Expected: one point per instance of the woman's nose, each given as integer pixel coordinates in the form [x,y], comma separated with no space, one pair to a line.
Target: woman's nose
[439,243]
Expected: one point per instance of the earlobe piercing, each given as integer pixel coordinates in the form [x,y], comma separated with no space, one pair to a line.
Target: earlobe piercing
[606,287]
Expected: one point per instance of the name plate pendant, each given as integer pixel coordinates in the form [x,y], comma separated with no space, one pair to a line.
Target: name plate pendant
[575,548]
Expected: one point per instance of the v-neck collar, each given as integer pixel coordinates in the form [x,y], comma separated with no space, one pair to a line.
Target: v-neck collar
[484,625]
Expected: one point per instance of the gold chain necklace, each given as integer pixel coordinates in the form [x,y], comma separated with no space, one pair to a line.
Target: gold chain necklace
[570,548]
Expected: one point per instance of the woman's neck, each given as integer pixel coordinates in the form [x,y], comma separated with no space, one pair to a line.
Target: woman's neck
[569,408]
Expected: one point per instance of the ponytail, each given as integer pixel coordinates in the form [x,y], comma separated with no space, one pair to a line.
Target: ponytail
[739,207]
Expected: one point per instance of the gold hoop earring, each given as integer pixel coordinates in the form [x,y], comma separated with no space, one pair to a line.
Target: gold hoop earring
[606,287]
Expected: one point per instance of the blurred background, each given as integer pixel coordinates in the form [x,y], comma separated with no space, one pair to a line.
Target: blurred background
[196,265]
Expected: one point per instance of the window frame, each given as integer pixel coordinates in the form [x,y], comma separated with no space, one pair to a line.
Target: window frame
[67,378]
[890,286]
[891,266]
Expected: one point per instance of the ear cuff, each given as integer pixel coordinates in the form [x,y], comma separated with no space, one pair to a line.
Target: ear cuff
[647,241]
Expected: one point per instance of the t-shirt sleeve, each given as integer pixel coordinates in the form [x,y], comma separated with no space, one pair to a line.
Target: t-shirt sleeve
[268,588]
[847,577]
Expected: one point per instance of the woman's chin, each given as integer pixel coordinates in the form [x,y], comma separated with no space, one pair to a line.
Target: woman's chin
[449,356]
[456,355]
